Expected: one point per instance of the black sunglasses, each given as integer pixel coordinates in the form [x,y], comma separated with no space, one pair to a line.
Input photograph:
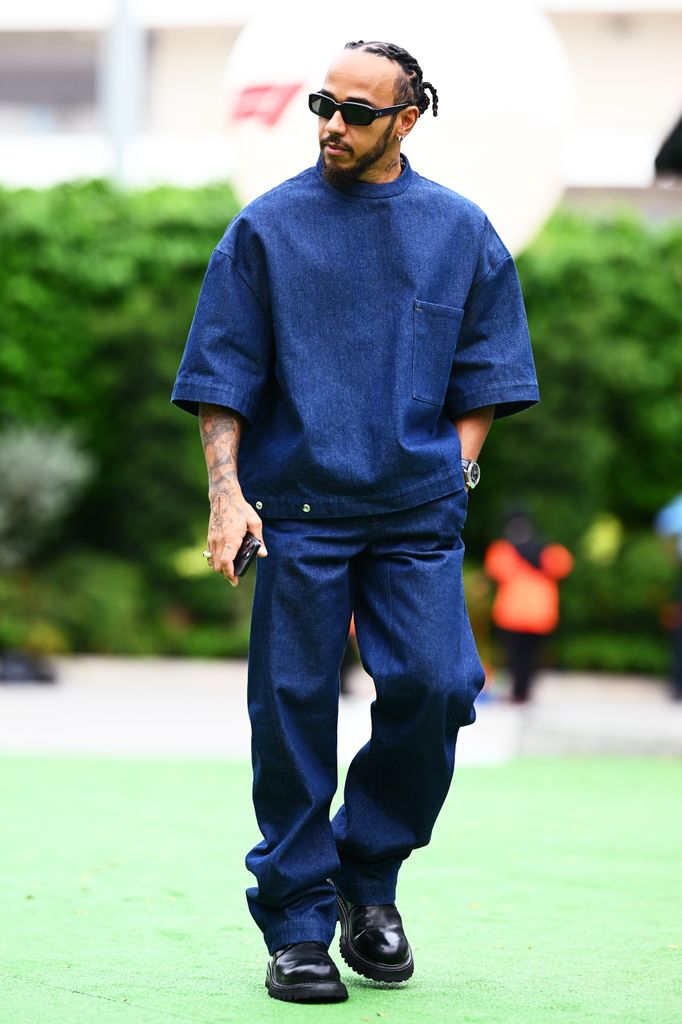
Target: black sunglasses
[352,113]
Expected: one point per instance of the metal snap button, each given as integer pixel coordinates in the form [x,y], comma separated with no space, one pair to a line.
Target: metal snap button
[306,508]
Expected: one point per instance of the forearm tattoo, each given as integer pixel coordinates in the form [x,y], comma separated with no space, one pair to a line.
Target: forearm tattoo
[220,434]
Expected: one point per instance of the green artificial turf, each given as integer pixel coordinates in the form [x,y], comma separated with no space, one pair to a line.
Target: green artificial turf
[550,892]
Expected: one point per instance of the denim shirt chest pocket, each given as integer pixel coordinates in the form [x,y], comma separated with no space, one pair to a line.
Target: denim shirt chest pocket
[436,329]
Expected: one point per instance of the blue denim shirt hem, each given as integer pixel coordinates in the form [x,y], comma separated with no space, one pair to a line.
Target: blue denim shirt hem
[326,507]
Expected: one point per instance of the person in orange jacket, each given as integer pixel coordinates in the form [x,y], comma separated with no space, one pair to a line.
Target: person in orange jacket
[526,605]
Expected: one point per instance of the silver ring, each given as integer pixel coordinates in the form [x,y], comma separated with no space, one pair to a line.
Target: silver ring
[207,554]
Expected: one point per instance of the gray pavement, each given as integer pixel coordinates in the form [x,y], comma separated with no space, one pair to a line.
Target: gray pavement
[162,707]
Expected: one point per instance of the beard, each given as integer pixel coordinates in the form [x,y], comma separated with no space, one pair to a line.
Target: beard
[340,176]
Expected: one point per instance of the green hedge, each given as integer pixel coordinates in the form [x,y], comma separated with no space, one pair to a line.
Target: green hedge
[99,288]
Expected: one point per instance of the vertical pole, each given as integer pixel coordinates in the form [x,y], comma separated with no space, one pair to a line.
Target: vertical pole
[121,84]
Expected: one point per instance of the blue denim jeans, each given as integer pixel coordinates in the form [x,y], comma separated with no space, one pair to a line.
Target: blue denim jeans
[401,574]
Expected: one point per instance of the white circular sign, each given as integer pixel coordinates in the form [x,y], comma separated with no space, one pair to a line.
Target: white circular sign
[502,81]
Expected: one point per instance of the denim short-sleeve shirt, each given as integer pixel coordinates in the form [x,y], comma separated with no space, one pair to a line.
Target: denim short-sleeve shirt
[349,327]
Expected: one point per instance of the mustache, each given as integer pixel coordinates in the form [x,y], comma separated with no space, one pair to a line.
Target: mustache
[331,141]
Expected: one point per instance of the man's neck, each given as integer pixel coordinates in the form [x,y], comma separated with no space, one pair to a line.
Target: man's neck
[391,167]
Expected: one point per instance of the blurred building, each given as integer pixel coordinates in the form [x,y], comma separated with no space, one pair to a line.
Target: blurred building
[135,88]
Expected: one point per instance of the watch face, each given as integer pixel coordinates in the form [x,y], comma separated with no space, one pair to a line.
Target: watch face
[473,473]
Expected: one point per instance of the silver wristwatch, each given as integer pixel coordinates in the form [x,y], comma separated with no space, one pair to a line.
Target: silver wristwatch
[472,472]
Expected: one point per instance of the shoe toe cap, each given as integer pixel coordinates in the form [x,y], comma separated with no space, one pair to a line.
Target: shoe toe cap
[380,946]
[304,964]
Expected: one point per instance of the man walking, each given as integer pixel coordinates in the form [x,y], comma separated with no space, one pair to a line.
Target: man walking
[357,330]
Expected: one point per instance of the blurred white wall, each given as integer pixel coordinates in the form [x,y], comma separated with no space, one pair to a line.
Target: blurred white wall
[186,74]
[625,58]
[627,74]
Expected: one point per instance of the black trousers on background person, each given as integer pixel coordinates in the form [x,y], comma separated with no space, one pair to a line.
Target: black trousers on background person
[521,654]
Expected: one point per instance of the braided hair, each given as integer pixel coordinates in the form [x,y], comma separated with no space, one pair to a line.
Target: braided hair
[410,88]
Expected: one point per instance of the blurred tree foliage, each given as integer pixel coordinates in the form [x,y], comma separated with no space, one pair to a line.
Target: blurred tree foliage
[98,290]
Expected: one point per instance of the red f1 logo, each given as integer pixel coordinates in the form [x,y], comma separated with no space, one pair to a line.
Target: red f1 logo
[267,103]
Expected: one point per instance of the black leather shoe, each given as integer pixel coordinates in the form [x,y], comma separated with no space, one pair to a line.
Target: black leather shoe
[373,942]
[304,973]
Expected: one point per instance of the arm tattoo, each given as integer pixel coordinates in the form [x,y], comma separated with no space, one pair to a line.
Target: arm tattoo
[220,434]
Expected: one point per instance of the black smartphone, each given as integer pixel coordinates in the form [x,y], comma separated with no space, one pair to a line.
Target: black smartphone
[246,554]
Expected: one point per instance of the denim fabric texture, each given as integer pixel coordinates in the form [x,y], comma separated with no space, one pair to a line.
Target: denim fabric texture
[349,327]
[401,575]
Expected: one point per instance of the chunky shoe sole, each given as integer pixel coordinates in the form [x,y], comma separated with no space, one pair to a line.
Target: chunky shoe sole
[314,992]
[391,973]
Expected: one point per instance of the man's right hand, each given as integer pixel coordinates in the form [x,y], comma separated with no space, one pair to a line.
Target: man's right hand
[230,519]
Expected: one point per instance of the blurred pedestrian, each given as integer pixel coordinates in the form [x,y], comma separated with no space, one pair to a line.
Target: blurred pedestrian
[358,328]
[526,605]
[668,523]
